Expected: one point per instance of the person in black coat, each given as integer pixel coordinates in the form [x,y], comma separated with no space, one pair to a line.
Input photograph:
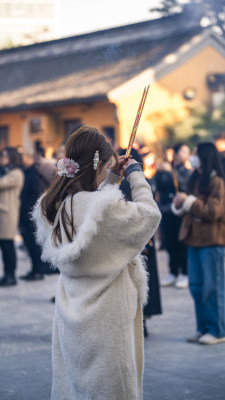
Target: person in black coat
[170,225]
[168,181]
[153,307]
[33,187]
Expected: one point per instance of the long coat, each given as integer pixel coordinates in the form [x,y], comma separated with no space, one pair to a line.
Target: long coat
[97,349]
[10,187]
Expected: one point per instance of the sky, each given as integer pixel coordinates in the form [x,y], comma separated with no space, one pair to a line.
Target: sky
[82,16]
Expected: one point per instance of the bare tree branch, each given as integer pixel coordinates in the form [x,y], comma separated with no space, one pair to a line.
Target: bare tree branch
[213,11]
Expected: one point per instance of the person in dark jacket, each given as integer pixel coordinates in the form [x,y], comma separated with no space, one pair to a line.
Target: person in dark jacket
[34,186]
[153,306]
[168,181]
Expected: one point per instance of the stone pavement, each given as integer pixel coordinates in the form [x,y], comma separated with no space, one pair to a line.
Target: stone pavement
[174,369]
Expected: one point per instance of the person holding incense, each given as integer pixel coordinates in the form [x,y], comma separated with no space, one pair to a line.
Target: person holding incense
[95,238]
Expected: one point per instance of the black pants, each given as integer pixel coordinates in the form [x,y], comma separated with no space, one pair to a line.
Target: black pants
[153,306]
[9,256]
[177,250]
[27,231]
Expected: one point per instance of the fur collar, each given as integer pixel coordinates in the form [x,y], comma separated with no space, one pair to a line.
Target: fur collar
[67,253]
[99,202]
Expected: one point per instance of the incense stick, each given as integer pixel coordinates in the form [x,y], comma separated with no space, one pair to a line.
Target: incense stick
[135,126]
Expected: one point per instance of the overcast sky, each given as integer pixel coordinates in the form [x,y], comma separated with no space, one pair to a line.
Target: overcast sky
[81,16]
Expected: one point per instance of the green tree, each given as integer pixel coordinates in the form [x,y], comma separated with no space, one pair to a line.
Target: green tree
[199,126]
[212,123]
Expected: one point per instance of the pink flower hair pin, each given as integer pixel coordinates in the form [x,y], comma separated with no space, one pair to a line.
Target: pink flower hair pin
[67,167]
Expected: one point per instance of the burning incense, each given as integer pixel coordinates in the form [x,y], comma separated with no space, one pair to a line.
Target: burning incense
[135,126]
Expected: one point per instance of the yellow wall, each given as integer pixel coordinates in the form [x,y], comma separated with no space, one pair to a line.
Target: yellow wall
[19,127]
[14,121]
[193,73]
[99,114]
[165,104]
[161,108]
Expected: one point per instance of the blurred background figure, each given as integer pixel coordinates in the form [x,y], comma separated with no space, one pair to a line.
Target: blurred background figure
[171,178]
[11,183]
[46,168]
[169,155]
[60,153]
[181,166]
[220,145]
[203,230]
[153,306]
[34,185]
[149,160]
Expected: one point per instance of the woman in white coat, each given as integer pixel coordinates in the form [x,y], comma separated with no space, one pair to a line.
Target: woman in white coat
[11,183]
[94,237]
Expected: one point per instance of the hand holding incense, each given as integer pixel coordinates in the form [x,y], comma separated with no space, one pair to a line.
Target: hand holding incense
[135,126]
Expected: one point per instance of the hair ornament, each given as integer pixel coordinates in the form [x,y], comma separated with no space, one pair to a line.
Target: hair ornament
[96,160]
[67,167]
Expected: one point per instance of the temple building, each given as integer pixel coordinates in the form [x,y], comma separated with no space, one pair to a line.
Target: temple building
[50,88]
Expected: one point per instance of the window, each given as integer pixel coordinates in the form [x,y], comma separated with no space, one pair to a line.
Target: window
[216,84]
[4,136]
[36,125]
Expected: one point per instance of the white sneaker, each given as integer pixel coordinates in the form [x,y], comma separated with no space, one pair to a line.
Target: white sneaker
[168,281]
[182,282]
[195,338]
[210,339]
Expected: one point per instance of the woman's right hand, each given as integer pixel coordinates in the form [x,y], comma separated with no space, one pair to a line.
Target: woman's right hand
[122,162]
[129,162]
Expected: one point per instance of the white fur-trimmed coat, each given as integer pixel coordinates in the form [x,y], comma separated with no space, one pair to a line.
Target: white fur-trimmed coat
[97,349]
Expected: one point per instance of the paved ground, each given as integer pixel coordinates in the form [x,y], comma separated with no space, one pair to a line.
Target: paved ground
[174,370]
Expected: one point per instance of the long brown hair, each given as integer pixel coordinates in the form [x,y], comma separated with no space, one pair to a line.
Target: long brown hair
[80,147]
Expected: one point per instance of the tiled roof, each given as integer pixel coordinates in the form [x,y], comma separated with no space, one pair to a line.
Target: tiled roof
[86,67]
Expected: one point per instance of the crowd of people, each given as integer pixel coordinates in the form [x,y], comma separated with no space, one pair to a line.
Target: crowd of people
[189,191]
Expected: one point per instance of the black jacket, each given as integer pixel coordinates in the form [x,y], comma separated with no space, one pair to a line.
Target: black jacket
[166,188]
[183,175]
[33,188]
